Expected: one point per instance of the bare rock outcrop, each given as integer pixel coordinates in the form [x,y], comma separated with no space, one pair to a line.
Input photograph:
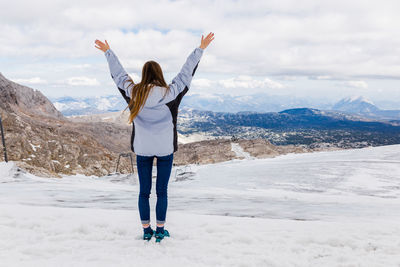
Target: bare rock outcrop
[204,152]
[22,99]
[41,140]
[262,148]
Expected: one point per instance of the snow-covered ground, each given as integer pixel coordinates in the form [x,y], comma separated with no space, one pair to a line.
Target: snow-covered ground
[338,208]
[235,147]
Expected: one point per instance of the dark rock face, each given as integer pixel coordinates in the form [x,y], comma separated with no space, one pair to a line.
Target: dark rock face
[204,152]
[19,98]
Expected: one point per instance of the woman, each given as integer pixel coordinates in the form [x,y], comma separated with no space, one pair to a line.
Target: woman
[153,109]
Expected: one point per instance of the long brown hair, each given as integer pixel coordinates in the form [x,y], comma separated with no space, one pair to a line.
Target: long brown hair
[152,75]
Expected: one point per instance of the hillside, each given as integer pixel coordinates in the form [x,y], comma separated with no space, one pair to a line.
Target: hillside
[303,126]
[46,143]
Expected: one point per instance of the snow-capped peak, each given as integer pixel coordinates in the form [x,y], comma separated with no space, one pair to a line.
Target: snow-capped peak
[357,98]
[356,104]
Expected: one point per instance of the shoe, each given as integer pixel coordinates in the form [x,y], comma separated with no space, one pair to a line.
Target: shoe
[148,236]
[160,236]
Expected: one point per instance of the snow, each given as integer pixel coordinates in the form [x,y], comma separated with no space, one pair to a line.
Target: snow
[240,152]
[357,98]
[48,236]
[34,146]
[194,137]
[70,105]
[103,104]
[338,208]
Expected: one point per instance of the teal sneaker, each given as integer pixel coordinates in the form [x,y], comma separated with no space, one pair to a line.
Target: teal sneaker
[160,236]
[148,236]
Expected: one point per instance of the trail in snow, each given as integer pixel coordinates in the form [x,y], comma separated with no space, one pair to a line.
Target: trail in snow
[240,152]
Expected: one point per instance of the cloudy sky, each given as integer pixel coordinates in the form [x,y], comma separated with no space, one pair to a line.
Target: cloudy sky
[316,49]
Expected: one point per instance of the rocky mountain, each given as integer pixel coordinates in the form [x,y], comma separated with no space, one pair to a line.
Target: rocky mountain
[46,143]
[364,107]
[357,104]
[21,99]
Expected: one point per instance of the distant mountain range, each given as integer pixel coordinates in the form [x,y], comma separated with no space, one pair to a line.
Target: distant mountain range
[364,107]
[88,105]
[227,103]
[260,102]
[215,102]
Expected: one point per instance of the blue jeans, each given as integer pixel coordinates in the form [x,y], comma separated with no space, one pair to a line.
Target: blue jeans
[145,166]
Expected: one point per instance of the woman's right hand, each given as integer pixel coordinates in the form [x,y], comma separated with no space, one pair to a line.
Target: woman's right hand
[102,46]
[206,41]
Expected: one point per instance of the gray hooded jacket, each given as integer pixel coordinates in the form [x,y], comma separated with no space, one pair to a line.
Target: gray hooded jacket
[154,128]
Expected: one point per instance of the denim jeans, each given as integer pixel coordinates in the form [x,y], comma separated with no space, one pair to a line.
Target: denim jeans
[145,166]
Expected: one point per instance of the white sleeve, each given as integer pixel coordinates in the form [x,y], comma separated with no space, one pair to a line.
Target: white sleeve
[118,74]
[184,77]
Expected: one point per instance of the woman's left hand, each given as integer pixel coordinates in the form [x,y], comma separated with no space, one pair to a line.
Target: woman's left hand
[102,46]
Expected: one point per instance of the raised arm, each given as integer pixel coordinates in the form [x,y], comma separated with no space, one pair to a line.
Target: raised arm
[184,77]
[118,73]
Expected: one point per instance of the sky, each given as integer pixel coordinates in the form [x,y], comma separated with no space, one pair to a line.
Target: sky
[314,49]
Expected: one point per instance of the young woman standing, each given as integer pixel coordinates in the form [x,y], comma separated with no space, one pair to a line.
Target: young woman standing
[153,106]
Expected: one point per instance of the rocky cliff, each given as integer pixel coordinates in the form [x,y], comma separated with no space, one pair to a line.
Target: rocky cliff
[22,99]
[40,139]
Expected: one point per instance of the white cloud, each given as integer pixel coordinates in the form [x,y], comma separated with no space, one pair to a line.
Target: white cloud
[357,84]
[275,36]
[31,81]
[346,40]
[82,66]
[82,81]
[323,77]
[248,82]
[202,83]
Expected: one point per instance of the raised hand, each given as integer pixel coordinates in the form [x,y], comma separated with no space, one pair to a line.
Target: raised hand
[206,41]
[102,46]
